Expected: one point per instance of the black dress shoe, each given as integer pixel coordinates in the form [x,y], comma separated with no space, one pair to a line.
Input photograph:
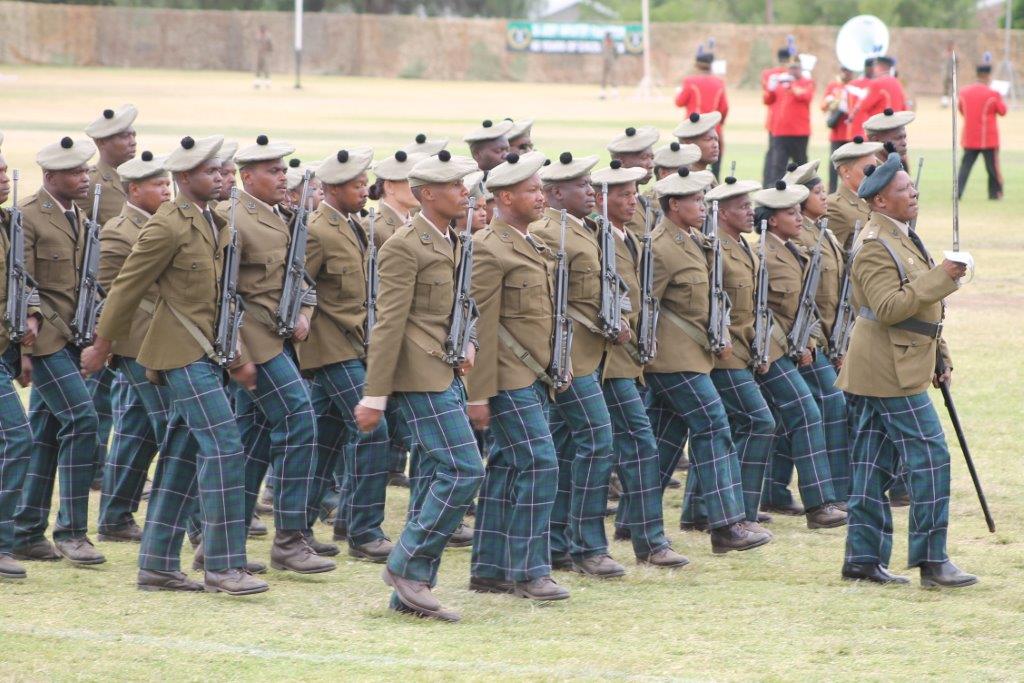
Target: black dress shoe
[945,575]
[876,573]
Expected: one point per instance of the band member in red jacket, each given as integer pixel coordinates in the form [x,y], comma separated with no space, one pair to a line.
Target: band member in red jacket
[768,77]
[703,92]
[884,91]
[980,105]
[790,95]
[836,104]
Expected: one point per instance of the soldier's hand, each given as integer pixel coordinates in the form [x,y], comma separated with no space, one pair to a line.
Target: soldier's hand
[726,353]
[954,270]
[568,383]
[467,364]
[25,377]
[945,378]
[367,418]
[837,363]
[624,334]
[762,368]
[245,375]
[95,357]
[33,331]
[805,358]
[301,328]
[479,415]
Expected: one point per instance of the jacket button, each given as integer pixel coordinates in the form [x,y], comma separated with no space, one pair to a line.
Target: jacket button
[194,266]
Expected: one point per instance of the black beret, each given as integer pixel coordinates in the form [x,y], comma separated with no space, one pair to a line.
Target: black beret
[67,143]
[401,156]
[877,177]
[294,163]
[187,142]
[615,165]
[342,156]
[444,155]
[565,157]
[147,156]
[108,113]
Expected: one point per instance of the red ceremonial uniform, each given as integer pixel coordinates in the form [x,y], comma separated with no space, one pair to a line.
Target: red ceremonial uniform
[884,92]
[766,76]
[835,91]
[980,105]
[703,93]
[855,92]
[791,103]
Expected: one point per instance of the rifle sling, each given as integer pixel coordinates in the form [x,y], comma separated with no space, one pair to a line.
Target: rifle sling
[196,333]
[692,331]
[51,316]
[522,354]
[578,316]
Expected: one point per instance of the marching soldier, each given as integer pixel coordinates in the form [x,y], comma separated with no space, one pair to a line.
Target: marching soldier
[421,144]
[489,144]
[180,250]
[417,271]
[140,407]
[228,171]
[845,208]
[672,157]
[892,359]
[682,395]
[980,104]
[635,149]
[890,126]
[519,140]
[701,130]
[785,388]
[397,202]
[275,417]
[579,421]
[512,285]
[61,410]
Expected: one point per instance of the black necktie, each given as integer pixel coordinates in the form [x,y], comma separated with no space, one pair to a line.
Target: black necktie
[360,237]
[73,220]
[912,234]
[631,247]
[208,215]
[795,252]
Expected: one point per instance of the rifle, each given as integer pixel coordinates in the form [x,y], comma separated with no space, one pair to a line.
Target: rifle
[721,307]
[610,314]
[372,281]
[89,294]
[297,282]
[230,306]
[807,315]
[956,255]
[842,326]
[650,306]
[763,320]
[20,285]
[561,341]
[464,310]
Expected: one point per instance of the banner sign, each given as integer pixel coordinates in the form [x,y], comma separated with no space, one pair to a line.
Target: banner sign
[570,38]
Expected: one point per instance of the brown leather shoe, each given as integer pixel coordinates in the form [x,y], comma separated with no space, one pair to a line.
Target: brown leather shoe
[756,528]
[129,533]
[666,557]
[442,614]
[599,566]
[792,509]
[292,553]
[414,594]
[543,589]
[151,580]
[376,550]
[736,537]
[256,526]
[841,504]
[319,547]
[199,560]
[482,584]
[234,582]
[79,550]
[764,518]
[10,568]
[462,538]
[37,551]
[825,516]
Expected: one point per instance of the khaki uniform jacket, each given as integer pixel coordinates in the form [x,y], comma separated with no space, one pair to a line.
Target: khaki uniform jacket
[885,361]
[832,259]
[388,222]
[112,196]
[739,277]
[417,290]
[336,259]
[638,223]
[583,253]
[513,285]
[785,277]
[117,238]
[53,257]
[845,208]
[682,284]
[620,363]
[178,251]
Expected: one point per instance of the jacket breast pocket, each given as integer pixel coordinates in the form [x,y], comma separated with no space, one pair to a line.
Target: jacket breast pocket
[193,277]
[689,291]
[434,292]
[584,281]
[55,267]
[346,278]
[742,297]
[265,268]
[524,295]
[784,295]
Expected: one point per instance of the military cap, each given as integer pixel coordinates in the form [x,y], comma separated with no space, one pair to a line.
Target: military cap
[141,167]
[567,167]
[263,150]
[675,154]
[781,196]
[888,120]
[489,130]
[683,182]
[855,150]
[344,165]
[474,182]
[297,172]
[396,166]
[731,187]
[876,177]
[804,174]
[514,170]
[227,152]
[440,168]
[696,125]
[191,153]
[616,174]
[422,145]
[634,140]
[112,122]
[519,128]
[65,154]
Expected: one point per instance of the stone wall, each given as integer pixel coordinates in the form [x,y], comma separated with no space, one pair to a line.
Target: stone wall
[441,48]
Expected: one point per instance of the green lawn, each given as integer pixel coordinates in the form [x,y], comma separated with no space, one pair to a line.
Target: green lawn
[776,613]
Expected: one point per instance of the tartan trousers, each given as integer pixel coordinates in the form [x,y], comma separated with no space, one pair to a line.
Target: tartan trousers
[101,386]
[582,434]
[336,390]
[898,433]
[277,424]
[636,462]
[201,456]
[140,423]
[798,425]
[687,404]
[512,539]
[440,429]
[753,429]
[15,451]
[63,420]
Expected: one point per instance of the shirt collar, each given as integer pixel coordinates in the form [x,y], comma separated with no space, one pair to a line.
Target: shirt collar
[144,213]
[903,227]
[260,202]
[445,234]
[404,216]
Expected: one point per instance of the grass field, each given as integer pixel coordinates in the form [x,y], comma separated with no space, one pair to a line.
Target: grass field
[777,613]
